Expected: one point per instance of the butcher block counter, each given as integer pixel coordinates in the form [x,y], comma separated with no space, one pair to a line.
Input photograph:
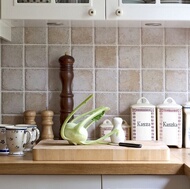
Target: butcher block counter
[179,164]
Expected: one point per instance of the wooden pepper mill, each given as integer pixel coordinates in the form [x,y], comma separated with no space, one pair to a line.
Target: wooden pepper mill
[66,76]
[47,131]
[29,117]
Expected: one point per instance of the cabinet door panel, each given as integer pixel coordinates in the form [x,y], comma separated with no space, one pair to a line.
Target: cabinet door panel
[140,10]
[53,9]
[50,181]
[145,182]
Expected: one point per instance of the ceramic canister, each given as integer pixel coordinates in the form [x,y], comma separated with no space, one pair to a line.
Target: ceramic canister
[107,126]
[169,122]
[143,126]
[186,109]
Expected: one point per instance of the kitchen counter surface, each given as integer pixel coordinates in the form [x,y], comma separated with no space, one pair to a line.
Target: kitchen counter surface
[178,164]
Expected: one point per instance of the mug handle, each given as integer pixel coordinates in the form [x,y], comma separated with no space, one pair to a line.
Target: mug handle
[37,135]
[28,137]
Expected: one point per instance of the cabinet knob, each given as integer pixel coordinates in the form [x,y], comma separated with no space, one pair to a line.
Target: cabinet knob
[119,12]
[92,12]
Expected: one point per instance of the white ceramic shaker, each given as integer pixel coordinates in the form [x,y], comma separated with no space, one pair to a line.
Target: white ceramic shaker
[169,122]
[186,110]
[143,126]
[120,135]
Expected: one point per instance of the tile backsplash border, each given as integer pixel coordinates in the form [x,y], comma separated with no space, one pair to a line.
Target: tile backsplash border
[117,65]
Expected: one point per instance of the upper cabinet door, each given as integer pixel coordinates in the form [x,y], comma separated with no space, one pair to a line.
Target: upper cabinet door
[53,9]
[136,10]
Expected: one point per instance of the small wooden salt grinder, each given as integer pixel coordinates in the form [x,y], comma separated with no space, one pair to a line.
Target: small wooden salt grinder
[47,131]
[29,117]
[66,76]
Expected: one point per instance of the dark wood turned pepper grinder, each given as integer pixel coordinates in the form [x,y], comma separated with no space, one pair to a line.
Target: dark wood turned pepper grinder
[47,131]
[29,117]
[66,76]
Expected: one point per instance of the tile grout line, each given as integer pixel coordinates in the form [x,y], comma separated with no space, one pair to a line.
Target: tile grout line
[118,70]
[24,70]
[47,74]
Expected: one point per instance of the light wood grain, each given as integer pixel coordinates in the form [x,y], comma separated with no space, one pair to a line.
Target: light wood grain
[25,165]
[60,150]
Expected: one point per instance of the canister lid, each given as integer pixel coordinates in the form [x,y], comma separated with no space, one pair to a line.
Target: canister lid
[106,123]
[187,105]
[169,103]
[142,102]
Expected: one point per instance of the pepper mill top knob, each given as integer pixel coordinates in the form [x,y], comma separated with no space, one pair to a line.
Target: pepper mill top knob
[66,59]
[29,117]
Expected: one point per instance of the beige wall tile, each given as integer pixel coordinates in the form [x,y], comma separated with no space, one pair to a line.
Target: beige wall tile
[105,57]
[179,98]
[125,102]
[106,80]
[176,81]
[176,57]
[129,36]
[36,56]
[152,57]
[81,35]
[129,80]
[117,65]
[54,82]
[78,98]
[12,103]
[152,36]
[35,101]
[12,55]
[56,127]
[83,80]
[12,119]
[109,100]
[152,80]
[83,56]
[35,35]
[55,52]
[16,36]
[105,35]
[54,102]
[154,98]
[58,35]
[36,79]
[12,79]
[176,36]
[129,57]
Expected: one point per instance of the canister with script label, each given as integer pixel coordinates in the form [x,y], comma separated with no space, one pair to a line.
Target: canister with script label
[169,122]
[143,126]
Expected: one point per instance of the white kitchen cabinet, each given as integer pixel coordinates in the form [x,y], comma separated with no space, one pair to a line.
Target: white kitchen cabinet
[145,182]
[53,9]
[155,10]
[50,181]
[100,13]
[5,30]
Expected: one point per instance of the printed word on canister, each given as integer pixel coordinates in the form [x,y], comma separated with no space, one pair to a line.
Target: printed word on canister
[47,122]
[66,76]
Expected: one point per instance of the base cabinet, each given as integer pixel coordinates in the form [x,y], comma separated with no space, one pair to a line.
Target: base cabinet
[50,181]
[145,182]
[94,182]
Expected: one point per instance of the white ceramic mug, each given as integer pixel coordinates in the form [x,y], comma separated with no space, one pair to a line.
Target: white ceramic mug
[17,138]
[35,135]
[3,143]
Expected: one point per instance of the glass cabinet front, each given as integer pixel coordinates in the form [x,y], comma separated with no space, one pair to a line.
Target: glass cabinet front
[138,1]
[50,1]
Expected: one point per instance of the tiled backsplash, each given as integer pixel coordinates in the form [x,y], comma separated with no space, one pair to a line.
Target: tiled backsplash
[117,65]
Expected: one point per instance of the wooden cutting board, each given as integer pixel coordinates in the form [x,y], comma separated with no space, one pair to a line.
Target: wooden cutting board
[60,150]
